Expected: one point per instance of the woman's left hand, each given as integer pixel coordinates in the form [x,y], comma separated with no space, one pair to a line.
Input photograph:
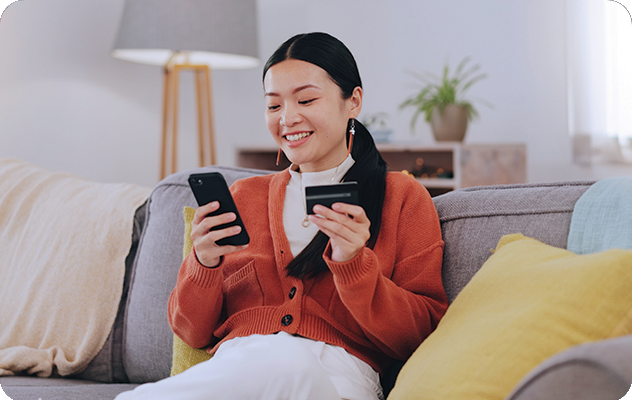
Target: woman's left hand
[346,225]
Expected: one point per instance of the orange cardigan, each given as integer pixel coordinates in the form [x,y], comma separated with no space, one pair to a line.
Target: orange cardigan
[378,306]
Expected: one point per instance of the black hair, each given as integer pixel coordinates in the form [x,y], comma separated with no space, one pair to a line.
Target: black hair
[369,169]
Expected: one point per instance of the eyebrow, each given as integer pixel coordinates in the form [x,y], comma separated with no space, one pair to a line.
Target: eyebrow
[298,89]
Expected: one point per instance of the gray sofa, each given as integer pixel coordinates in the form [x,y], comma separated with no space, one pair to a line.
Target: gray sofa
[139,346]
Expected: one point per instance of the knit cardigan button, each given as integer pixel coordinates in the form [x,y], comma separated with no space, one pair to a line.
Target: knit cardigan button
[285,321]
[292,293]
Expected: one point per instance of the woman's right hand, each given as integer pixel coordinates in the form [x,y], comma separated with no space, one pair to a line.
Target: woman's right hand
[206,250]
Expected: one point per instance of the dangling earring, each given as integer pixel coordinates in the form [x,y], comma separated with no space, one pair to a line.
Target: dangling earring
[351,135]
[278,157]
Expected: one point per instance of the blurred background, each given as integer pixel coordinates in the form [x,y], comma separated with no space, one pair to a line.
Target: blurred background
[66,104]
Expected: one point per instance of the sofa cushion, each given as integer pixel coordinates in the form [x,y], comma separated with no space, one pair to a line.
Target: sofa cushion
[148,339]
[474,219]
[528,302]
[31,388]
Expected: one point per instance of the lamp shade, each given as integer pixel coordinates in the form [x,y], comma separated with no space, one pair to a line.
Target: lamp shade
[219,33]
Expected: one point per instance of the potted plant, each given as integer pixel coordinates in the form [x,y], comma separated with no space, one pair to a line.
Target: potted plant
[442,103]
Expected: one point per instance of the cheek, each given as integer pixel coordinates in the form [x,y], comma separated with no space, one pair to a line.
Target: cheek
[272,122]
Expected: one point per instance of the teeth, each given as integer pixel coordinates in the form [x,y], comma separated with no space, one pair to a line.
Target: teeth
[298,136]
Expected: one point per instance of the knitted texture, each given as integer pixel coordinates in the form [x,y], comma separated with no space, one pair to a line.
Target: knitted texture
[379,306]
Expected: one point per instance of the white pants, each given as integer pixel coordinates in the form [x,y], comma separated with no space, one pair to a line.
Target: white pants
[275,367]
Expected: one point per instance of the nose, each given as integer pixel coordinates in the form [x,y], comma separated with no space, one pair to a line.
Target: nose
[289,117]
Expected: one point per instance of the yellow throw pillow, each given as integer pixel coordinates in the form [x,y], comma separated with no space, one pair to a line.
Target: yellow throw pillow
[528,302]
[185,356]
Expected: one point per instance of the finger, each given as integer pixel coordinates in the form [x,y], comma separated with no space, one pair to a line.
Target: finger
[205,210]
[357,223]
[335,236]
[209,223]
[343,248]
[328,213]
[357,212]
[208,251]
[334,229]
[219,234]
[212,258]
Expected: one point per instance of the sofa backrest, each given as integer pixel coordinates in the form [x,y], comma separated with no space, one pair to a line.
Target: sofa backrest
[472,221]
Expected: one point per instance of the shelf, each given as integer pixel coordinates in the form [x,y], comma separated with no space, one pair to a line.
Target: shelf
[469,164]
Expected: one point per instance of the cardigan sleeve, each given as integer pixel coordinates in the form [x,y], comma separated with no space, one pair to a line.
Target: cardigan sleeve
[195,304]
[397,311]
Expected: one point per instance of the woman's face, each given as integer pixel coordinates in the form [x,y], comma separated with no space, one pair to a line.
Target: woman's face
[306,114]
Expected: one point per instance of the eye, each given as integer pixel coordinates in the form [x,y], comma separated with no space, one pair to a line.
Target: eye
[305,102]
[272,108]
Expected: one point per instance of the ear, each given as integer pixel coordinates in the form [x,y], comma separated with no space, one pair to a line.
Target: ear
[355,102]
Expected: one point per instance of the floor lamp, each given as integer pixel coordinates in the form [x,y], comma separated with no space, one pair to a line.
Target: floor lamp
[197,35]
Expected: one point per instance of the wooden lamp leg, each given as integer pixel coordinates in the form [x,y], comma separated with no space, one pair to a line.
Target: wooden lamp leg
[206,142]
[165,122]
[174,129]
[205,116]
[168,155]
[201,145]
[209,111]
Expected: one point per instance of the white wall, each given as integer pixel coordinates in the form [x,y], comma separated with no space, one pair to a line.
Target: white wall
[66,104]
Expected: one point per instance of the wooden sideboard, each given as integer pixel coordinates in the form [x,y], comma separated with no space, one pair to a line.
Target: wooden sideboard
[440,168]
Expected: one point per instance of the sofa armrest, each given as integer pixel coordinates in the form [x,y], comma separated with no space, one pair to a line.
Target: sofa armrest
[593,371]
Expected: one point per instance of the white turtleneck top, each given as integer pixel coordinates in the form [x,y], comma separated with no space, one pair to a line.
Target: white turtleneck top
[294,208]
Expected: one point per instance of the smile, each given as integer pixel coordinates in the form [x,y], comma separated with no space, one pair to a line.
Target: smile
[298,136]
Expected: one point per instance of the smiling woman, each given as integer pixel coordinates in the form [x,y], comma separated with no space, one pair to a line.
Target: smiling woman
[308,120]
[314,307]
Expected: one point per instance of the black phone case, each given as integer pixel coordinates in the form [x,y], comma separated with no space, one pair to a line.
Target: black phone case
[345,192]
[212,186]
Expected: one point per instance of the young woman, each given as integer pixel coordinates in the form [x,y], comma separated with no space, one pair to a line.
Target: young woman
[315,307]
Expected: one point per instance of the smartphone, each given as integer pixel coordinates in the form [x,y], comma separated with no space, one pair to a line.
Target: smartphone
[345,192]
[212,186]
